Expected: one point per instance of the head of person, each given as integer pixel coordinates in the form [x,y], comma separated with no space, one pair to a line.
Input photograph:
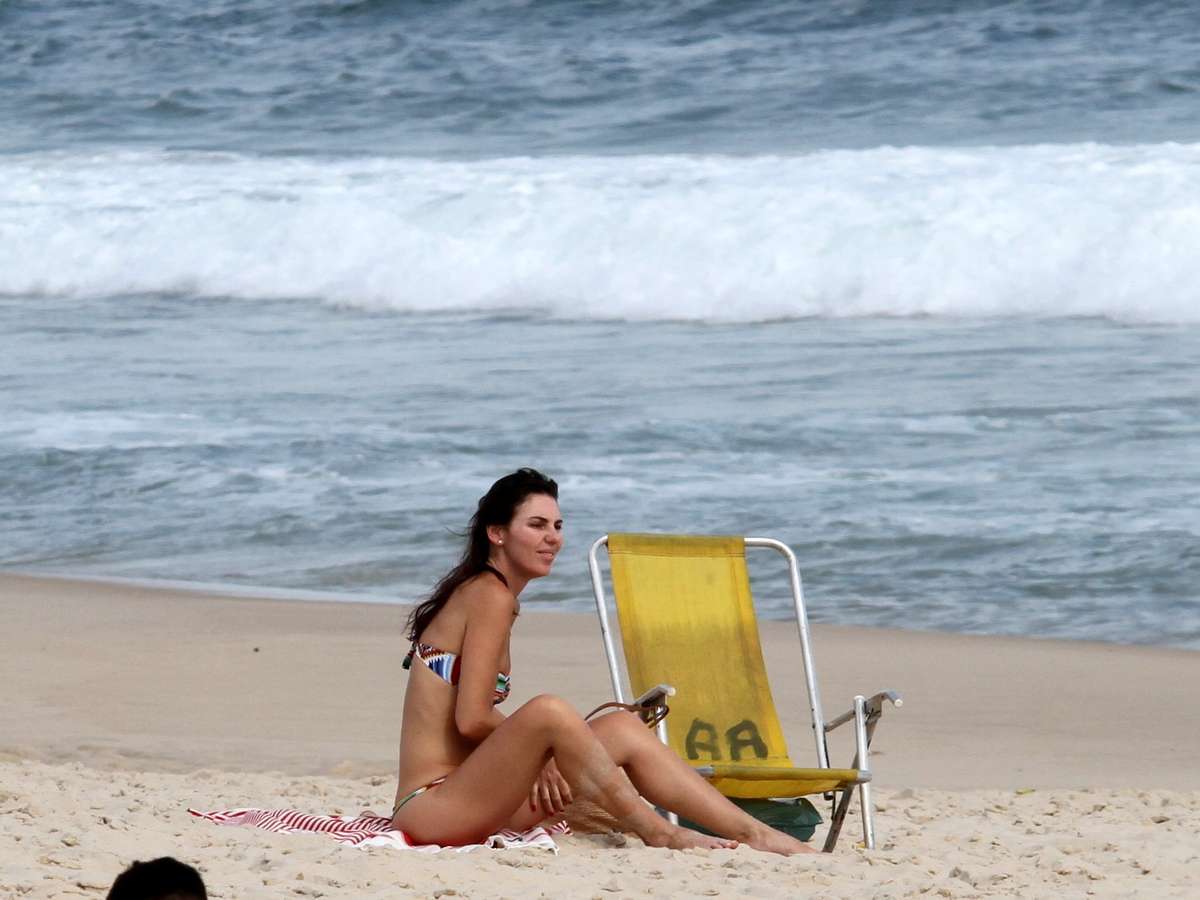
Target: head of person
[517,528]
[164,878]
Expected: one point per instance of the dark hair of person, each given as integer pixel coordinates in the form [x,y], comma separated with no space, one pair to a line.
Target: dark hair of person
[165,878]
[496,507]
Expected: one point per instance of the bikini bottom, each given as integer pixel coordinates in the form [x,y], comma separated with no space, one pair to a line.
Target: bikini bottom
[417,793]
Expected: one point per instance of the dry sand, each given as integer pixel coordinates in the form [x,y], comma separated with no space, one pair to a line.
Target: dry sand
[1016,767]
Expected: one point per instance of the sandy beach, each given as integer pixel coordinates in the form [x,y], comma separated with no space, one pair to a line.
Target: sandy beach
[1016,767]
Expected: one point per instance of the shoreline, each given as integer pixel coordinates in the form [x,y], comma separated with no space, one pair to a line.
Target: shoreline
[237,591]
[224,589]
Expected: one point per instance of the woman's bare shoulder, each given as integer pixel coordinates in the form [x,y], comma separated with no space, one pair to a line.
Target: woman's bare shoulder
[485,595]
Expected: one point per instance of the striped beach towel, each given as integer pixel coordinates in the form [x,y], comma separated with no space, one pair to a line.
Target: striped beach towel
[371,831]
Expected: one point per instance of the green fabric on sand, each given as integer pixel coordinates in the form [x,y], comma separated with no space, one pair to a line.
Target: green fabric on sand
[797,817]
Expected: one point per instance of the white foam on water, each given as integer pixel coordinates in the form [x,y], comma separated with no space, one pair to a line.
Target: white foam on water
[1040,231]
[91,430]
[84,430]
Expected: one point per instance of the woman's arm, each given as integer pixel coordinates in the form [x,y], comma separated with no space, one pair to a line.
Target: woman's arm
[489,623]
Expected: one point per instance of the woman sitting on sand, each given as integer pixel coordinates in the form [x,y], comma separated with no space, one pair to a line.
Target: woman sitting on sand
[467,771]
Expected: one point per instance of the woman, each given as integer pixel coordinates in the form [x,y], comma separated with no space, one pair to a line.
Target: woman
[467,771]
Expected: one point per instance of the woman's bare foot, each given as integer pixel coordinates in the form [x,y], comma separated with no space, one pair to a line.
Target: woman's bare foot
[686,839]
[772,841]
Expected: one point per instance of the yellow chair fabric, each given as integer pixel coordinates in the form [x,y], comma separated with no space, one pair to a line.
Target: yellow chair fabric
[687,619]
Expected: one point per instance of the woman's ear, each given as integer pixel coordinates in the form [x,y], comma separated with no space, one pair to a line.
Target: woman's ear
[495,534]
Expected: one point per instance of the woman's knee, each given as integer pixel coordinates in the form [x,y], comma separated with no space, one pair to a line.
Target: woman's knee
[552,711]
[622,732]
[620,721]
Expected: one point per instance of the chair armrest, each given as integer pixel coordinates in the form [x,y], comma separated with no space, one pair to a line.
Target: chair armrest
[776,773]
[655,695]
[653,707]
[874,709]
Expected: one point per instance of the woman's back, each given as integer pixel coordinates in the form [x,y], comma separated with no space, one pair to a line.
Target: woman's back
[432,743]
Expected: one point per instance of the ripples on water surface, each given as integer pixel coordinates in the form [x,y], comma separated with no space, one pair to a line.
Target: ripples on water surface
[1020,477]
[511,77]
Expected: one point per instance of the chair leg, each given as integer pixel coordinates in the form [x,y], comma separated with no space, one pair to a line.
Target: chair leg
[868,814]
[836,820]
[862,761]
[862,735]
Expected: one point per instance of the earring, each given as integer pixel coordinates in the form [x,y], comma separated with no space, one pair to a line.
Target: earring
[500,542]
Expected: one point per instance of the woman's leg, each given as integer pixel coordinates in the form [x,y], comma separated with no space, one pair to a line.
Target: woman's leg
[480,796]
[667,781]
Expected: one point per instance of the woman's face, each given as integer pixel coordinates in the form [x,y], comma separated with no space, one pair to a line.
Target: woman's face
[531,541]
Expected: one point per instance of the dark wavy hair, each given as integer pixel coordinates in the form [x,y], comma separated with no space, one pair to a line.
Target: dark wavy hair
[496,507]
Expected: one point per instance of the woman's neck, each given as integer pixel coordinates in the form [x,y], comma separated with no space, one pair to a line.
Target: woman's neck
[514,582]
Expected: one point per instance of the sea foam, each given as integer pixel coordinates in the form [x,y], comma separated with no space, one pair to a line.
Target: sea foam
[1039,231]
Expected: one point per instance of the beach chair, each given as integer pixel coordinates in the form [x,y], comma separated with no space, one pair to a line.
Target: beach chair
[689,631]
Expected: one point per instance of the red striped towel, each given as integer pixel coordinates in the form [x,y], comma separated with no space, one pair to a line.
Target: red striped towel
[371,831]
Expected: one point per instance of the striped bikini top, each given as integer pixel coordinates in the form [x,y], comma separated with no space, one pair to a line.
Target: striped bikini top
[447,666]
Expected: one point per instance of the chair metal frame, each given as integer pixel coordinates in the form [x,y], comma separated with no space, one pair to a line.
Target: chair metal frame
[864,713]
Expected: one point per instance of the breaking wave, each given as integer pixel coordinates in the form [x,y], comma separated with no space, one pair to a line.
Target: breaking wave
[1037,231]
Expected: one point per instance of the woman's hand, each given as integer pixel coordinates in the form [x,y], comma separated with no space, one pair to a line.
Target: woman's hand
[550,792]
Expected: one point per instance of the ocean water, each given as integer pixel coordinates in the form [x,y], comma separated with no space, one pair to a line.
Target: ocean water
[913,287]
